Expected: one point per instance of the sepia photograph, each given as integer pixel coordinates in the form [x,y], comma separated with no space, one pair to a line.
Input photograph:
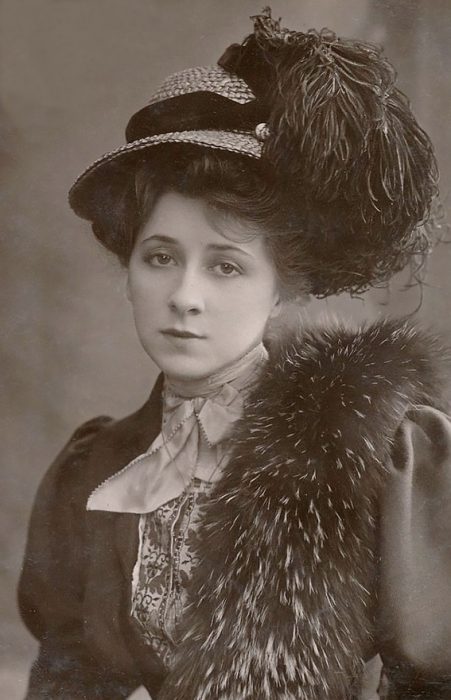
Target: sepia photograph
[226,425]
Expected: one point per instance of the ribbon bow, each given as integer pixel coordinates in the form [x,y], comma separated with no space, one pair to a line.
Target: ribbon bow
[188,445]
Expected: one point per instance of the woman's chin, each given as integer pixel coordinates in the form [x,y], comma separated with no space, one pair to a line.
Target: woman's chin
[186,370]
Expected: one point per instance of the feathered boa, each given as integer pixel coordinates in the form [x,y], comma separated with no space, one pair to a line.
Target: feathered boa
[282,603]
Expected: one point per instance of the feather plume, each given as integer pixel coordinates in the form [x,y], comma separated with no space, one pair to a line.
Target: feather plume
[340,126]
[346,146]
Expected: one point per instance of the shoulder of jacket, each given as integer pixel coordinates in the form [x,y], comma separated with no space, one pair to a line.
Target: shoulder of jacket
[84,437]
[89,430]
[67,470]
[63,484]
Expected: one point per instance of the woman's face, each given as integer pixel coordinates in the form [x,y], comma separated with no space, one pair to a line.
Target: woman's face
[200,299]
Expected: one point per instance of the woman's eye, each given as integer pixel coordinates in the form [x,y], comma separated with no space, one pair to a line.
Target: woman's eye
[159,259]
[227,269]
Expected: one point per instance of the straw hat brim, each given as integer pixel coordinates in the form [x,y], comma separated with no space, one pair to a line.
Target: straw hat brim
[97,179]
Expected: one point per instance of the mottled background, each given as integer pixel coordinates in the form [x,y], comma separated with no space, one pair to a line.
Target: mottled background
[71,73]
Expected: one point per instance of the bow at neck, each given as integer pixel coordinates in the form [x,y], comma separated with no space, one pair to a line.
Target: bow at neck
[198,417]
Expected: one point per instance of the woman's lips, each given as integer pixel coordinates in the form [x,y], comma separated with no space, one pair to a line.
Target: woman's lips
[177,333]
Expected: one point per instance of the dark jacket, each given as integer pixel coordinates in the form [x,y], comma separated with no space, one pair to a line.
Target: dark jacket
[326,541]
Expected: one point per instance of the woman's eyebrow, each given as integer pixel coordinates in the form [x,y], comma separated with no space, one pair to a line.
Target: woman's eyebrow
[227,246]
[210,246]
[161,238]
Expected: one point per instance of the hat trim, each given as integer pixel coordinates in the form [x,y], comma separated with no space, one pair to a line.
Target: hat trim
[244,142]
[212,78]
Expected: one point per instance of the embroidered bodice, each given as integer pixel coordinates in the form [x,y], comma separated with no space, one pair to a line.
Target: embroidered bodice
[165,561]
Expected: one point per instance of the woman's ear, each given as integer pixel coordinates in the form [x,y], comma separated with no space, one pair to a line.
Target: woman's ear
[283,304]
[276,309]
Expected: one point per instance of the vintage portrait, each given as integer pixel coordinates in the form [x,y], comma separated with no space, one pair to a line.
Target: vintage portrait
[227,350]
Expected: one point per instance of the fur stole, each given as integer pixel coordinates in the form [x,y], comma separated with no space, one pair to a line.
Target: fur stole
[282,603]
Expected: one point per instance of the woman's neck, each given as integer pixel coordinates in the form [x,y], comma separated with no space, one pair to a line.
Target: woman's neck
[242,372]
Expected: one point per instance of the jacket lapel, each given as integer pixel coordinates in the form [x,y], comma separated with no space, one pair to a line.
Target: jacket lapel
[120,443]
[113,537]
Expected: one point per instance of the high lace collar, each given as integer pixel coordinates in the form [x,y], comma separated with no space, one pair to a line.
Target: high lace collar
[240,373]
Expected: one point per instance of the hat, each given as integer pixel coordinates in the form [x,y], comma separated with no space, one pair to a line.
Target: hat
[323,112]
[205,106]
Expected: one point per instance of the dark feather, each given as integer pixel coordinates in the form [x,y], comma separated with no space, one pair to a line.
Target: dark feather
[347,147]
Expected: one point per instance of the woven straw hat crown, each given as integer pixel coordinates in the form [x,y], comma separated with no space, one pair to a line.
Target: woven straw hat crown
[162,114]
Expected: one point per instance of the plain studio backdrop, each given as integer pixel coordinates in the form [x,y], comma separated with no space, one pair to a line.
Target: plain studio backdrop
[72,72]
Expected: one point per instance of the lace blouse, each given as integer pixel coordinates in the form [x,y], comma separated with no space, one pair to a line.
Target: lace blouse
[166,559]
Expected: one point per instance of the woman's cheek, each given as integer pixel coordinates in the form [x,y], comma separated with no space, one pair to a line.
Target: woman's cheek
[150,290]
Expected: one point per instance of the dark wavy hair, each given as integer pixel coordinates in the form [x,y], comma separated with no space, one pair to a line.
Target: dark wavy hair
[311,243]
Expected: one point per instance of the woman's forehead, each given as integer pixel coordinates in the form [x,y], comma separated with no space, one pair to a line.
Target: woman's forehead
[180,219]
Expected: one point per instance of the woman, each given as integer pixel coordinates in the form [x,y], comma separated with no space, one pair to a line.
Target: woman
[277,513]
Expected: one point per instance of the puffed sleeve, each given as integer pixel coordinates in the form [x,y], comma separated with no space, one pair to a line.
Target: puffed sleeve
[415,584]
[51,586]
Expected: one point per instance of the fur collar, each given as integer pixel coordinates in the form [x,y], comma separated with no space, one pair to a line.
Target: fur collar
[282,602]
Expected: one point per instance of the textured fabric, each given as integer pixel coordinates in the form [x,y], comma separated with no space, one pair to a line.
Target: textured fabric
[191,441]
[75,585]
[198,415]
[106,171]
[181,111]
[166,559]
[204,78]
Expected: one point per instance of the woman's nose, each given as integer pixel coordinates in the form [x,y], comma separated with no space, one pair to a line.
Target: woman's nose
[187,297]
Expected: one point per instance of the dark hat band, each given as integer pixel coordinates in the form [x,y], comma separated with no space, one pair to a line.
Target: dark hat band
[195,111]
